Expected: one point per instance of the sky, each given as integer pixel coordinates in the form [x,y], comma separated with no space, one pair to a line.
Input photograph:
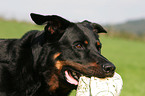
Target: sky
[99,11]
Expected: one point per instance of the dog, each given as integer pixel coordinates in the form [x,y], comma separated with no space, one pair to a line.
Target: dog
[50,62]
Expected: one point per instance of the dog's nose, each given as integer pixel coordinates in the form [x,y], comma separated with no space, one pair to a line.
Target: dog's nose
[109,68]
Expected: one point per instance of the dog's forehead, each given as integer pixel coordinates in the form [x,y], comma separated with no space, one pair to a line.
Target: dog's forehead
[86,28]
[80,32]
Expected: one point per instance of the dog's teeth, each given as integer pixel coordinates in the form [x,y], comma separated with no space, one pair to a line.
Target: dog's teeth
[76,77]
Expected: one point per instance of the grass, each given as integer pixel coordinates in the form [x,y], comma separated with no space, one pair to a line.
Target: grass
[127,55]
[14,29]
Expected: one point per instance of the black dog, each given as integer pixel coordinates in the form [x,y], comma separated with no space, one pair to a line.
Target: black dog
[50,62]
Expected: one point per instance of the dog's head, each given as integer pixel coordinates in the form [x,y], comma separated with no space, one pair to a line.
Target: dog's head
[75,48]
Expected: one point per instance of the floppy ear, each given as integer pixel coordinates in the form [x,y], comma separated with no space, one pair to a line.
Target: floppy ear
[98,28]
[55,26]
[38,19]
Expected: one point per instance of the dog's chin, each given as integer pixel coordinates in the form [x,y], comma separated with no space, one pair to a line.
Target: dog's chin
[72,77]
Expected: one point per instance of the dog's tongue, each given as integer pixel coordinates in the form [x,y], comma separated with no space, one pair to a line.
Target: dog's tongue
[70,79]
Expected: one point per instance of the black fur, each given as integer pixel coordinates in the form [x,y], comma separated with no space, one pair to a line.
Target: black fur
[35,65]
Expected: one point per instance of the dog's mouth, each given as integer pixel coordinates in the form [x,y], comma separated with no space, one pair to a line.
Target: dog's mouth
[72,77]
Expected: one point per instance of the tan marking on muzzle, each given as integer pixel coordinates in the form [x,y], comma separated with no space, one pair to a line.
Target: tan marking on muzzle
[53,83]
[59,65]
[56,55]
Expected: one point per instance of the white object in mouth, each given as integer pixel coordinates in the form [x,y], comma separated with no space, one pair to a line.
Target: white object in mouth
[83,88]
[110,86]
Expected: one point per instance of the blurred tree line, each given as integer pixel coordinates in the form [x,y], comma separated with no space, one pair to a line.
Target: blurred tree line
[134,30]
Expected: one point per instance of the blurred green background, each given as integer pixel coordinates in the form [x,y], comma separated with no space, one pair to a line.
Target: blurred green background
[127,52]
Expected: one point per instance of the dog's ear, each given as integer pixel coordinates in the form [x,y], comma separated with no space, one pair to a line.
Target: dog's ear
[55,25]
[98,28]
[38,19]
[52,19]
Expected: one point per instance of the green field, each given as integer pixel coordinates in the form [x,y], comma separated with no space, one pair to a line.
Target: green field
[127,55]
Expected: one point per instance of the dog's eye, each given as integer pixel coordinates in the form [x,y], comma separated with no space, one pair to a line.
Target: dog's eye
[99,48]
[79,46]
[98,45]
